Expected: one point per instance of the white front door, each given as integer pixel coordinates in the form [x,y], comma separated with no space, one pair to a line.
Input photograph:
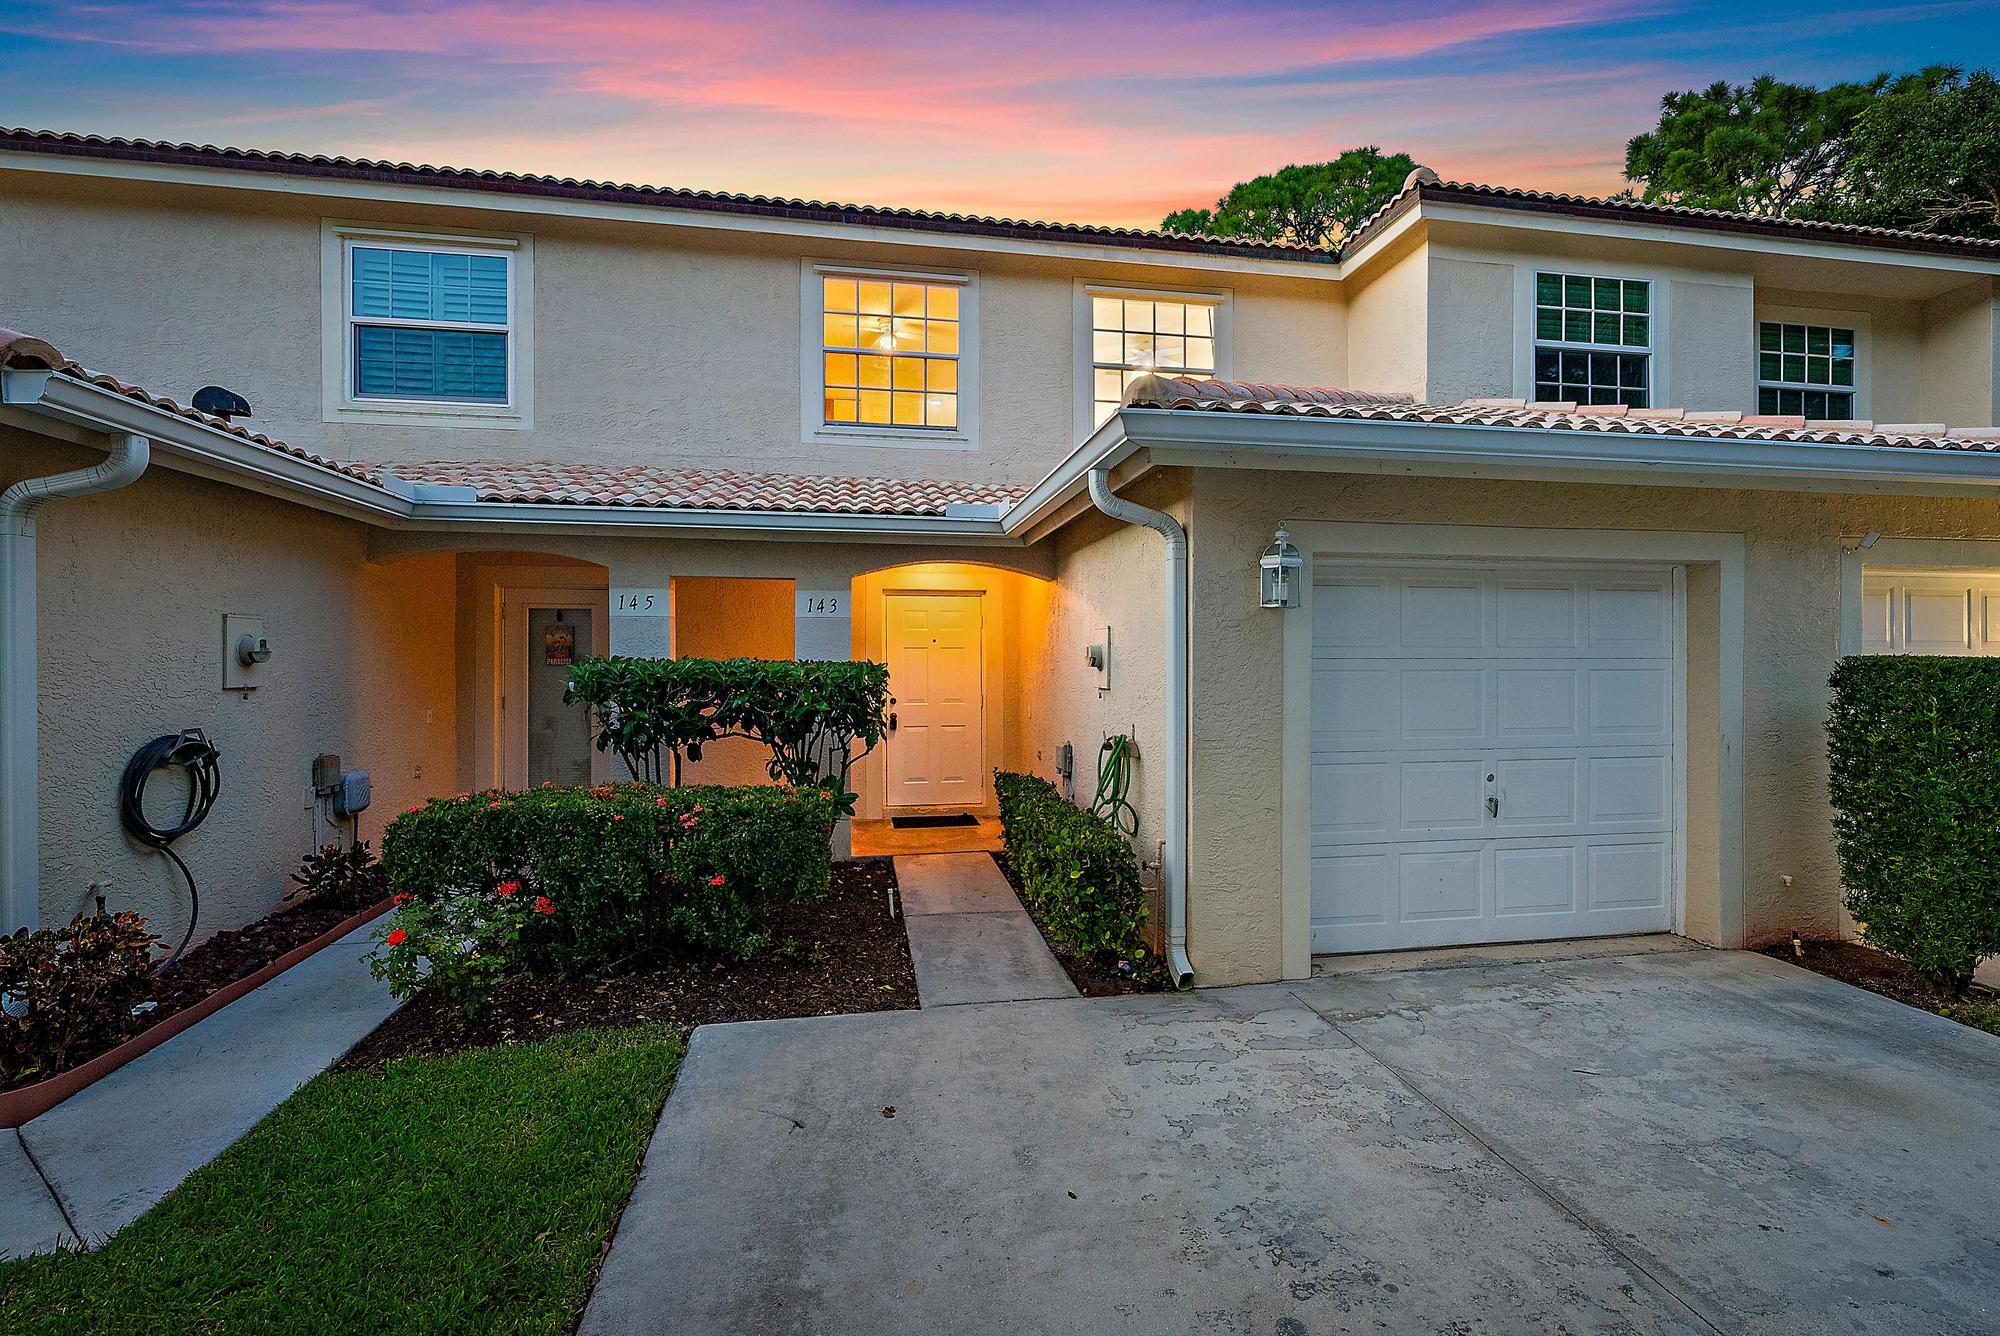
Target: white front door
[1493,754]
[937,749]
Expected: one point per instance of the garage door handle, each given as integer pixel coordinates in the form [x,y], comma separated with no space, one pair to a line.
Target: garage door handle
[1492,806]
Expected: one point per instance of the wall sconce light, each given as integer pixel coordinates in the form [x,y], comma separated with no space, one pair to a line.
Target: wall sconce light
[1278,571]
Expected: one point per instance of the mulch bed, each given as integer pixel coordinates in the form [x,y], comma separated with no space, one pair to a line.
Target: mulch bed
[830,957]
[215,963]
[1094,976]
[1865,967]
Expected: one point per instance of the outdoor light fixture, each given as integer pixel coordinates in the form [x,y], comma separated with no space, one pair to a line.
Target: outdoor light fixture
[1278,570]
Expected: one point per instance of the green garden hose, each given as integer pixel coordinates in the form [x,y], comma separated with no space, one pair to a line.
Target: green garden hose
[1114,780]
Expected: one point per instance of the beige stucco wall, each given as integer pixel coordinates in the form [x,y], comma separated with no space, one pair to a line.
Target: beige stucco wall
[1958,379]
[1106,575]
[652,344]
[1388,325]
[132,588]
[1791,627]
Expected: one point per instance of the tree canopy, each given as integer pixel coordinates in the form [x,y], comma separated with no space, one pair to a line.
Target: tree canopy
[1312,204]
[1920,151]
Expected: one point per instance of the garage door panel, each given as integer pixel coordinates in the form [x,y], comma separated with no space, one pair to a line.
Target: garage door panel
[1535,791]
[1627,789]
[1355,709]
[1534,881]
[1631,618]
[1537,615]
[1444,614]
[1560,687]
[1442,796]
[1444,705]
[1630,702]
[1352,614]
[1936,621]
[1537,702]
[1627,876]
[1436,884]
[1353,802]
[1352,890]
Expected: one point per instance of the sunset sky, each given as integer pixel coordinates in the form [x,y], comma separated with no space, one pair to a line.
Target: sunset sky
[1025,108]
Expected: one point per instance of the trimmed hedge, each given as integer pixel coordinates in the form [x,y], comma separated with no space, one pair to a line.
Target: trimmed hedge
[810,713]
[1913,748]
[1076,869]
[630,868]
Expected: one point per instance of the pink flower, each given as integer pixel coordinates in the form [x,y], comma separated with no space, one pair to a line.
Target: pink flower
[397,937]
[659,802]
[495,806]
[617,816]
[544,905]
[416,809]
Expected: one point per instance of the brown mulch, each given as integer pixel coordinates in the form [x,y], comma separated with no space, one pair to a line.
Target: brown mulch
[1865,967]
[1093,975]
[829,957]
[214,964]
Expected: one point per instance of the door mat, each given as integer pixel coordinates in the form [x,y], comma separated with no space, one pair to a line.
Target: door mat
[930,822]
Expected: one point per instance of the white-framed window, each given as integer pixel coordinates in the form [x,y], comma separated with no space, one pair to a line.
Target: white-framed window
[890,356]
[1124,333]
[426,328]
[1593,339]
[1807,369]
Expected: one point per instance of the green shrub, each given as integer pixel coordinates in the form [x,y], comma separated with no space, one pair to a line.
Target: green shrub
[67,990]
[626,870]
[344,878]
[1913,746]
[809,713]
[1077,871]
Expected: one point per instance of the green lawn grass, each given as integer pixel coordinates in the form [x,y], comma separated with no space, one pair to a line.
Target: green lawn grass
[464,1193]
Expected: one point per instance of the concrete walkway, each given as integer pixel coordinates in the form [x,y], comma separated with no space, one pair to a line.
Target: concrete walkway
[98,1161]
[970,940]
[1682,1141]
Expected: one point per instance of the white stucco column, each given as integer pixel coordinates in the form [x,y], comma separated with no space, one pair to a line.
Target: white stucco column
[823,626]
[642,614]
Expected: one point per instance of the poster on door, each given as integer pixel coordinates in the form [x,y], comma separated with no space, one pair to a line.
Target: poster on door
[559,644]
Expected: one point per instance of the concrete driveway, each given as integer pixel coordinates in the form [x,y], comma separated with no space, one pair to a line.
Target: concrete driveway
[1687,1141]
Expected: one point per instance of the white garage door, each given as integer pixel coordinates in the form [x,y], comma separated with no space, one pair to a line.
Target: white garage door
[1915,612]
[1493,754]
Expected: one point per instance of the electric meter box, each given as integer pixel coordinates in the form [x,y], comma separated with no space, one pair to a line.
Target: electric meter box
[354,794]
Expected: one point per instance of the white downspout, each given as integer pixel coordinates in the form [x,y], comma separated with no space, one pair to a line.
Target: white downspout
[20,835]
[1173,869]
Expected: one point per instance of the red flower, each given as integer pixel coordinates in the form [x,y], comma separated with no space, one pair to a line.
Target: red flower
[715,880]
[401,898]
[506,888]
[397,937]
[416,809]
[544,905]
[495,806]
[617,816]
[659,802]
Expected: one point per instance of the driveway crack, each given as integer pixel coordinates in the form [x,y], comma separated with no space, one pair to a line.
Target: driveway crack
[1543,1190]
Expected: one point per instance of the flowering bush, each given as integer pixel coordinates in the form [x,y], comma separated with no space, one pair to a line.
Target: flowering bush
[594,877]
[461,944]
[71,989]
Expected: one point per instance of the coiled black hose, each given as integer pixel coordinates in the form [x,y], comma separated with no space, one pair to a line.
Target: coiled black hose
[192,750]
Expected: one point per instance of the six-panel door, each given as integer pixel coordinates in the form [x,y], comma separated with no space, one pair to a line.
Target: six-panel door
[1493,755]
[936,755]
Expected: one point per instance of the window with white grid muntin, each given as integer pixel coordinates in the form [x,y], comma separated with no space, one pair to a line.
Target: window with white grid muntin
[1805,370]
[1593,340]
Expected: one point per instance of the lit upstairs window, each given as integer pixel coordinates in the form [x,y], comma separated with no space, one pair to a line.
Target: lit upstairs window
[1135,336]
[889,348]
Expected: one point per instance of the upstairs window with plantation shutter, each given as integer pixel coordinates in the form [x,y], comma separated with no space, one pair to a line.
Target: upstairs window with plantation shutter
[429,325]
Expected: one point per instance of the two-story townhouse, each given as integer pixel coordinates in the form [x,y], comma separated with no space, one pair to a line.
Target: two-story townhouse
[1591,499]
